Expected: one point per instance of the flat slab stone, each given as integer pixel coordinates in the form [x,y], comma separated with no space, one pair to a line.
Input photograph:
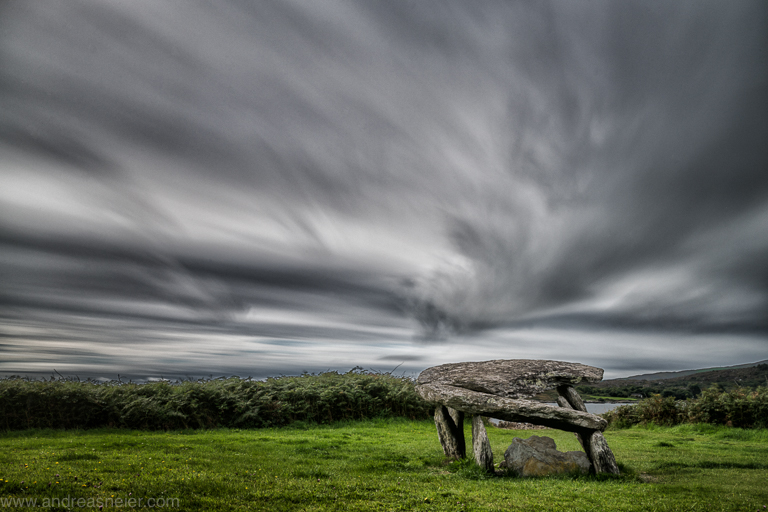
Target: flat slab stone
[510,378]
[508,409]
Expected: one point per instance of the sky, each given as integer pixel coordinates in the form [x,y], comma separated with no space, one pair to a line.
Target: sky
[257,188]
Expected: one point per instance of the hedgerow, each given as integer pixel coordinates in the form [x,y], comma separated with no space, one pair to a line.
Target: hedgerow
[225,402]
[740,407]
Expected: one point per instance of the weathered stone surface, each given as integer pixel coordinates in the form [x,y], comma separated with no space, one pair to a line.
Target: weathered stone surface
[450,432]
[516,425]
[567,399]
[562,402]
[601,455]
[458,420]
[507,409]
[481,446]
[538,456]
[572,398]
[593,442]
[510,378]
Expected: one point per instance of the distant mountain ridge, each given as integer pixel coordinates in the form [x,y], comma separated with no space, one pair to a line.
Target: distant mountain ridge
[682,384]
[686,373]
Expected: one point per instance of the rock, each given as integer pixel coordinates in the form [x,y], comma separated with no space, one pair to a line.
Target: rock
[538,456]
[481,446]
[507,409]
[510,378]
[458,420]
[601,455]
[562,402]
[450,432]
[567,399]
[593,442]
[571,397]
[516,425]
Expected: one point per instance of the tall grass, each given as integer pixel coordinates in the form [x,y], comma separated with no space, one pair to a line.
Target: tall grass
[743,408]
[232,402]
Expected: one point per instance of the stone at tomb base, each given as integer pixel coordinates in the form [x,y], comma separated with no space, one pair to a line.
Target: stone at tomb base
[538,456]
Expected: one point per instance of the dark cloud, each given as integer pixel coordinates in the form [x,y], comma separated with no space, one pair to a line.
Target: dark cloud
[378,173]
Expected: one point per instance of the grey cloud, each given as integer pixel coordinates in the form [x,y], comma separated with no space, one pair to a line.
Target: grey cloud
[477,168]
[642,173]
[404,357]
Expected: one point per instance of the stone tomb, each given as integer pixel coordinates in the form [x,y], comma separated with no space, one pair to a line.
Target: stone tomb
[502,389]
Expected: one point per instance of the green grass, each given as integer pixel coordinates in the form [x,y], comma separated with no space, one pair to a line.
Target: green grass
[393,464]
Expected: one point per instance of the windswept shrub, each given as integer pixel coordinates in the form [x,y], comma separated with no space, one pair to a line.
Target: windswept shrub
[233,402]
[657,409]
[739,407]
[662,410]
[623,416]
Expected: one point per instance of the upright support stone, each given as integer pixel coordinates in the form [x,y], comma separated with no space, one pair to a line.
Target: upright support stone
[601,455]
[450,434]
[593,441]
[562,402]
[572,397]
[458,420]
[567,400]
[481,446]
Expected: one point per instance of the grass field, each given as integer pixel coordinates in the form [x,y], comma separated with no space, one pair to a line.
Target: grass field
[372,465]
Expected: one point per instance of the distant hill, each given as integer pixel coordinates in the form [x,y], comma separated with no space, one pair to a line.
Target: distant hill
[682,384]
[685,373]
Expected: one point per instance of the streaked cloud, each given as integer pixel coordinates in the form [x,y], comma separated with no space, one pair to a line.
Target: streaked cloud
[362,182]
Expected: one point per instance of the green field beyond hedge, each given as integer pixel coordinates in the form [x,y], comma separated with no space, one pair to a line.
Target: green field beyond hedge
[385,464]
